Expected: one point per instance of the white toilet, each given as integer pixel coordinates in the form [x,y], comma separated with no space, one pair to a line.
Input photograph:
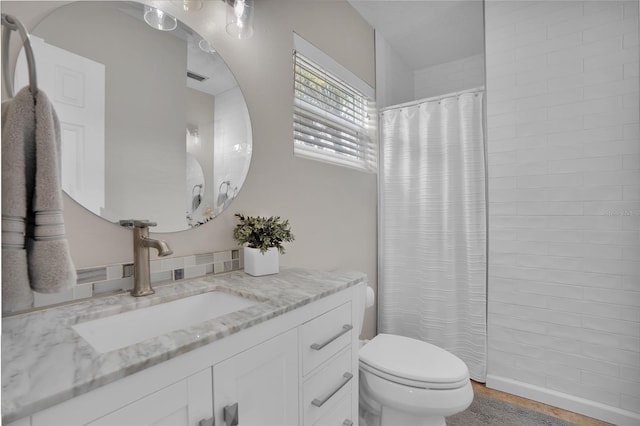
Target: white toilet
[408,382]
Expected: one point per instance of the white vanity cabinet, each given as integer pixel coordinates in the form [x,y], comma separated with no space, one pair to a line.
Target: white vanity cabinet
[298,368]
[185,403]
[259,387]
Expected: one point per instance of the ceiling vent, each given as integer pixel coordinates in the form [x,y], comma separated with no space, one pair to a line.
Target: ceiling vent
[197,77]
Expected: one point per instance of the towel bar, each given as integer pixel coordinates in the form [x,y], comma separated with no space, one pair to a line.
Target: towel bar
[11,23]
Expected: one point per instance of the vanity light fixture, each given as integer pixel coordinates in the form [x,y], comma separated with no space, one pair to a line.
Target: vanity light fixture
[193,136]
[240,18]
[193,131]
[188,5]
[159,19]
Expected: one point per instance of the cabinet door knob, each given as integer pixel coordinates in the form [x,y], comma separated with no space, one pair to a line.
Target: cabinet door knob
[207,422]
[319,346]
[347,422]
[231,414]
[345,379]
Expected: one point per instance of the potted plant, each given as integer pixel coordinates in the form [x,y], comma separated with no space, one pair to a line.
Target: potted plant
[263,238]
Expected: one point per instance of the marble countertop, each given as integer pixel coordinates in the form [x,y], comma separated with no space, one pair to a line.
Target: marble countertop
[45,362]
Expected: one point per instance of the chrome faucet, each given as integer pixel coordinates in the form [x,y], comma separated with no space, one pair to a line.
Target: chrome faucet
[141,245]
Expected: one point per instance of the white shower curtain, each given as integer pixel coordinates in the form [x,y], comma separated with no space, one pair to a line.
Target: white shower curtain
[432,283]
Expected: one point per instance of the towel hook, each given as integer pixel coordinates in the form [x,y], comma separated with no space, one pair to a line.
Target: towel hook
[11,23]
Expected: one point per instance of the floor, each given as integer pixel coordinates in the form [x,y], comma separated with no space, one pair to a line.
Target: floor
[538,406]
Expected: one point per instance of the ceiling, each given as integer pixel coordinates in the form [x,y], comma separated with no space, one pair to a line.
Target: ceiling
[427,32]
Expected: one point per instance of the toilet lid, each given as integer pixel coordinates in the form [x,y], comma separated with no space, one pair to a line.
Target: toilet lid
[412,359]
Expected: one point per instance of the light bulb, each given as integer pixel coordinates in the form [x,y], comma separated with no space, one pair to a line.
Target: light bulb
[240,19]
[188,5]
[159,19]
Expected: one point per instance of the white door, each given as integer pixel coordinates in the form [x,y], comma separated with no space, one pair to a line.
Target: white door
[262,381]
[75,85]
[188,402]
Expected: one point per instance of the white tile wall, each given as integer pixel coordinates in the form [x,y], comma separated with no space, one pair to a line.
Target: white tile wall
[564,194]
[466,73]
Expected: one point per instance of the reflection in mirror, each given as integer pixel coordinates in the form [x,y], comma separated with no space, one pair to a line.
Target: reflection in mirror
[126,95]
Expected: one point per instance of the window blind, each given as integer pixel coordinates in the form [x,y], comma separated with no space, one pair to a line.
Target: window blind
[332,121]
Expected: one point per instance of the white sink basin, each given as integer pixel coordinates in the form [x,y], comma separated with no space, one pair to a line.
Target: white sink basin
[120,330]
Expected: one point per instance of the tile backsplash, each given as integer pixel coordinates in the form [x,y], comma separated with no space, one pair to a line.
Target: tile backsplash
[106,279]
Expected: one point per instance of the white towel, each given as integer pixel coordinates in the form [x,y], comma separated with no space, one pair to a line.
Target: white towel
[34,126]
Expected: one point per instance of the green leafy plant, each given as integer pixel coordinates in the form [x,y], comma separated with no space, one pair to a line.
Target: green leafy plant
[262,233]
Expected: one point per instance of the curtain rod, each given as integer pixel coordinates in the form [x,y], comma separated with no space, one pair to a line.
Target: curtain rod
[434,98]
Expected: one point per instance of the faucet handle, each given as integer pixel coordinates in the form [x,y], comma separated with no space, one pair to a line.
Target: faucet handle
[135,223]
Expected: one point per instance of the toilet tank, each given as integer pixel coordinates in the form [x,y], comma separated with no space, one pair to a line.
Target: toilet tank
[365,299]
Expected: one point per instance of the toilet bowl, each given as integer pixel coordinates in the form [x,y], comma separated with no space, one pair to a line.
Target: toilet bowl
[408,382]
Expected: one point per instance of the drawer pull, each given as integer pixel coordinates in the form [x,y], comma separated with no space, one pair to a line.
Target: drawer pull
[320,402]
[347,423]
[230,415]
[319,346]
[207,422]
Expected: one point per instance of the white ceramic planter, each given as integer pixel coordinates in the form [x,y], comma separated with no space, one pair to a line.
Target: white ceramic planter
[256,263]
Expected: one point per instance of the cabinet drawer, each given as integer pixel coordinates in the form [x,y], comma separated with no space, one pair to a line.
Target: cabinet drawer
[341,415]
[332,383]
[324,336]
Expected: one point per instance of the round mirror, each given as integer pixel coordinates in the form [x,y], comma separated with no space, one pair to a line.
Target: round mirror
[153,123]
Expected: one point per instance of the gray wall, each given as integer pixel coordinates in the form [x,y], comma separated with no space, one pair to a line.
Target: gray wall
[454,76]
[394,78]
[332,209]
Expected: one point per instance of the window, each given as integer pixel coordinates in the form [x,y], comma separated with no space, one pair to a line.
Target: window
[333,121]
